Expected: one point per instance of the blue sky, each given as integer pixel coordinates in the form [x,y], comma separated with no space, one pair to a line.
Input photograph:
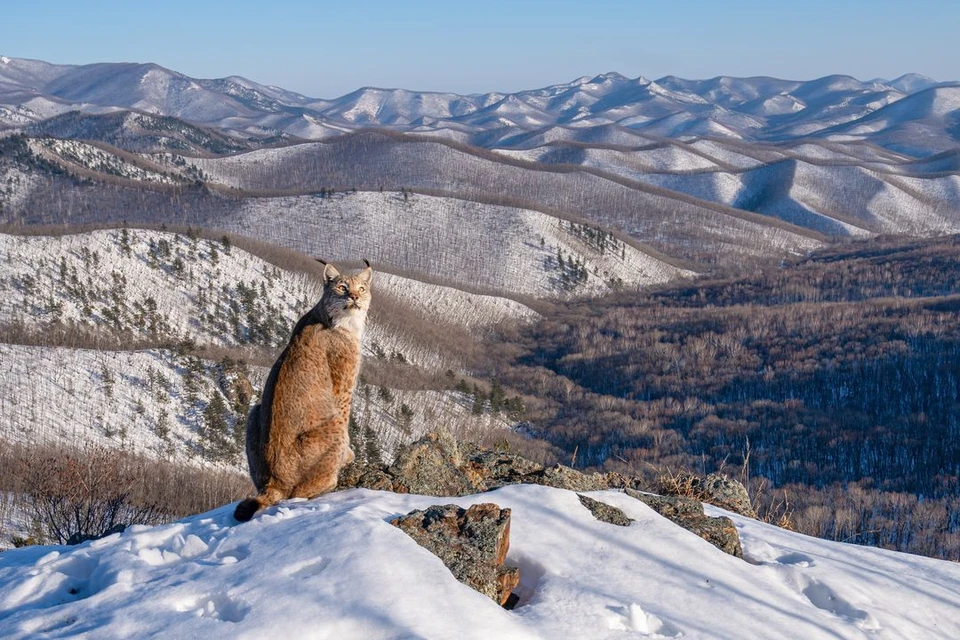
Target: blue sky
[327,49]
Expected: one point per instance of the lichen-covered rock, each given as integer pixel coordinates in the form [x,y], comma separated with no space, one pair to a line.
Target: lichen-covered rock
[495,469]
[720,532]
[688,513]
[614,480]
[605,512]
[716,489]
[438,465]
[561,477]
[431,466]
[671,507]
[727,493]
[472,543]
[362,476]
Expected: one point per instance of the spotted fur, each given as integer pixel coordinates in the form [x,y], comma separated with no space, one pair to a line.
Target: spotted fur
[297,438]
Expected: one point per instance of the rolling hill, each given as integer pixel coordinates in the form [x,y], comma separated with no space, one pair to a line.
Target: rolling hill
[558,247]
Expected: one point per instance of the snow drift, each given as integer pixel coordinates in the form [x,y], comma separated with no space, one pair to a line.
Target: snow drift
[334,567]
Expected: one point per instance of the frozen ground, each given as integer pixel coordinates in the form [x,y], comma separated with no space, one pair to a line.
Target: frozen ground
[334,567]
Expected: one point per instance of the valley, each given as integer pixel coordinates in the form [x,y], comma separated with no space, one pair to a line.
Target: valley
[620,274]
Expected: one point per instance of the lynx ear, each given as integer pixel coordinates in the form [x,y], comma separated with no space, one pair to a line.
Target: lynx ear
[367,274]
[330,273]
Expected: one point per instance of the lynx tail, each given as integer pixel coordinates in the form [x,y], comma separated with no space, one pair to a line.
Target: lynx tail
[246,509]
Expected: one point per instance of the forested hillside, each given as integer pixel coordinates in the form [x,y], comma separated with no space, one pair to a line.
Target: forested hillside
[834,380]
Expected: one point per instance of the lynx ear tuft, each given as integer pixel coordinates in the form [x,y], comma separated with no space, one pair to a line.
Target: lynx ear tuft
[330,273]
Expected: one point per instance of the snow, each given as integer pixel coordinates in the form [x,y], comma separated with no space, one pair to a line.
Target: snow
[731,108]
[99,260]
[334,567]
[507,238]
[91,157]
[46,393]
[59,396]
[96,261]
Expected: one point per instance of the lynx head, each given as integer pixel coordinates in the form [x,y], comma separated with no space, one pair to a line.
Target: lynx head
[346,298]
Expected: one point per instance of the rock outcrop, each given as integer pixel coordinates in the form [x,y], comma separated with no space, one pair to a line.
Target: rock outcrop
[716,488]
[605,512]
[472,543]
[438,465]
[434,466]
[688,513]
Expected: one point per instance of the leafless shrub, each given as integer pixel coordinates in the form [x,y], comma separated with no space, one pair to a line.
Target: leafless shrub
[78,494]
[85,494]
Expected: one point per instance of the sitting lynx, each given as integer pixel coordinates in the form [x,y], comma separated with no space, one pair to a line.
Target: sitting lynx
[297,439]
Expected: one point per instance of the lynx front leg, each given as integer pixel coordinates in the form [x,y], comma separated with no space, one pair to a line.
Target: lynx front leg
[324,454]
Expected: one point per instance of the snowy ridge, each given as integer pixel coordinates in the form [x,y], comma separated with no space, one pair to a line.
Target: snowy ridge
[823,187]
[334,567]
[837,199]
[755,109]
[136,401]
[172,286]
[503,248]
[167,288]
[664,161]
[87,156]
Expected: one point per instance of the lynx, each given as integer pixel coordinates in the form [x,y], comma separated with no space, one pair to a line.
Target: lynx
[297,438]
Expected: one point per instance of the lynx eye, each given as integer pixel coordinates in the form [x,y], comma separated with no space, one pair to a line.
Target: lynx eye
[361,288]
[340,288]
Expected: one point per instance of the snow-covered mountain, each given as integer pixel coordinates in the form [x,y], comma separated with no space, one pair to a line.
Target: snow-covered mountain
[752,109]
[692,173]
[334,567]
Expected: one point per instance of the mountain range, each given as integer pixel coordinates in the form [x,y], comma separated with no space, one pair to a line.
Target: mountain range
[557,209]
[912,114]
[695,175]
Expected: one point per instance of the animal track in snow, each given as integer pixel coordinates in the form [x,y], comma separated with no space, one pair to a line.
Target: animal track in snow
[634,618]
[791,567]
[823,597]
[56,579]
[218,606]
[796,559]
[308,569]
[231,556]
